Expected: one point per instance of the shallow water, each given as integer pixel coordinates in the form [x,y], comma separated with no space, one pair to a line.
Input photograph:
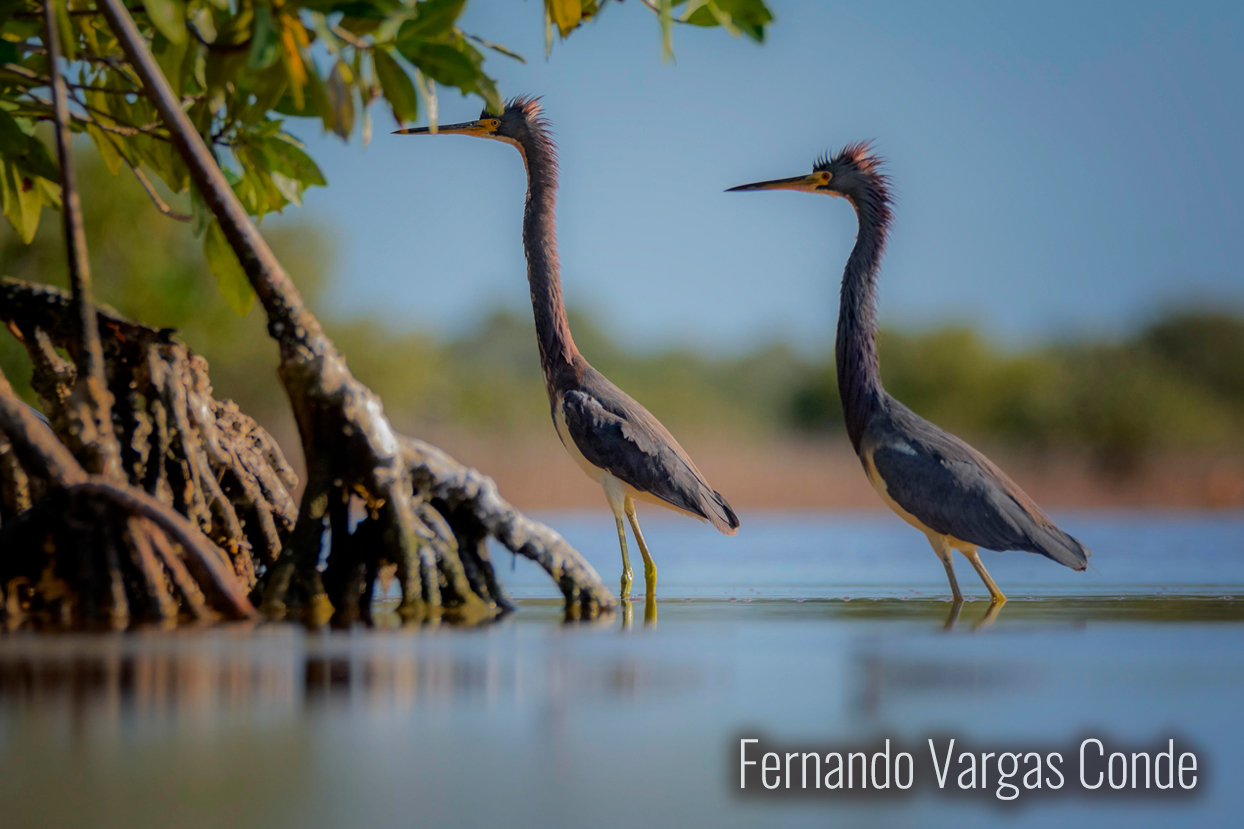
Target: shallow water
[535,723]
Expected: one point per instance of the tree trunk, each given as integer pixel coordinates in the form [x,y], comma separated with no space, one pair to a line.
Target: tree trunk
[349,445]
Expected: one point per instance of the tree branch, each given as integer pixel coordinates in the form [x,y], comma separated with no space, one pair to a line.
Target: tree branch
[160,204]
[276,291]
[102,453]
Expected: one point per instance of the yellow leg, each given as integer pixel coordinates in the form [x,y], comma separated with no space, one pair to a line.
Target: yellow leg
[650,567]
[991,613]
[650,609]
[943,550]
[627,578]
[995,595]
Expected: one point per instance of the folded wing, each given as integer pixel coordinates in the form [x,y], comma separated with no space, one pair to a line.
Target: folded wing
[620,436]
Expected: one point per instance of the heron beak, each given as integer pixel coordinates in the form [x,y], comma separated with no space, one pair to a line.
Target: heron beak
[807,184]
[465,128]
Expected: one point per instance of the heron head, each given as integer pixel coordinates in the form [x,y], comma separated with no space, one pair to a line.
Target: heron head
[850,173]
[519,119]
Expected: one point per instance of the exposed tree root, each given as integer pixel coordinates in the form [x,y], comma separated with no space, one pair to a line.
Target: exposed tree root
[198,455]
[475,509]
[97,553]
[207,461]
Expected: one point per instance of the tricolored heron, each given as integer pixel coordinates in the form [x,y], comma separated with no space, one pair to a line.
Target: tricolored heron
[612,438]
[930,478]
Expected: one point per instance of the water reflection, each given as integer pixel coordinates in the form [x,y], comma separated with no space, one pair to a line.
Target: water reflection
[288,728]
[184,678]
[283,670]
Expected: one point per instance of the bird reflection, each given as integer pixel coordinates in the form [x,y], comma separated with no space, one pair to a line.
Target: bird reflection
[650,611]
[991,615]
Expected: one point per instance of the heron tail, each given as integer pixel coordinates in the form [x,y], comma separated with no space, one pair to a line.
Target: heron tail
[718,512]
[1053,543]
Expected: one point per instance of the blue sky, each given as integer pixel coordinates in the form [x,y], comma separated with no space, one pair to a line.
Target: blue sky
[1062,169]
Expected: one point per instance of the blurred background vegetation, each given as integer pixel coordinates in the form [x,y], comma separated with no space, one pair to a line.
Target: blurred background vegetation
[1177,385]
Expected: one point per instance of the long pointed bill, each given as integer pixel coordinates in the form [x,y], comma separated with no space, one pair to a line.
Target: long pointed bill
[465,128]
[807,184]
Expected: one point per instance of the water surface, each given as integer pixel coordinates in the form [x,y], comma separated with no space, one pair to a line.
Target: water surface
[812,629]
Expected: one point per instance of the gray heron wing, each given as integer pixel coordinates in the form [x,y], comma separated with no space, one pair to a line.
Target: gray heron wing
[955,490]
[617,434]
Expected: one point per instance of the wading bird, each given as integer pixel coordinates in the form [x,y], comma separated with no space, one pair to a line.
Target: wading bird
[613,439]
[930,478]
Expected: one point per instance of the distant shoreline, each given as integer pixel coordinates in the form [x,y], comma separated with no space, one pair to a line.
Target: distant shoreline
[534,473]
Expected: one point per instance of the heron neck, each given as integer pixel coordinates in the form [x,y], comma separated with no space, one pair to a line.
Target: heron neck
[557,348]
[859,372]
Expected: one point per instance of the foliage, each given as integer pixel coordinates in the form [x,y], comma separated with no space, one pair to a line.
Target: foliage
[1207,346]
[242,67]
[149,269]
[1170,387]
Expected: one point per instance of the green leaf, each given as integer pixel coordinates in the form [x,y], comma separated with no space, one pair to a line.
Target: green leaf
[49,193]
[23,202]
[171,58]
[359,26]
[665,16]
[169,16]
[64,30]
[317,96]
[433,19]
[288,159]
[566,14]
[7,8]
[200,214]
[398,88]
[487,90]
[440,62]
[224,265]
[341,99]
[265,41]
[26,151]
[749,17]
[107,150]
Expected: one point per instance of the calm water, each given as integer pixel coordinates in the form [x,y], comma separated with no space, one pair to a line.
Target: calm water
[534,723]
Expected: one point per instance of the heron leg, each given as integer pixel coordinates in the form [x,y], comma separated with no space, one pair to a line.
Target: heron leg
[627,577]
[650,567]
[943,550]
[995,595]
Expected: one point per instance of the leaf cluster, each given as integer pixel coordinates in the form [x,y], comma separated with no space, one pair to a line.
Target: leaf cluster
[242,68]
